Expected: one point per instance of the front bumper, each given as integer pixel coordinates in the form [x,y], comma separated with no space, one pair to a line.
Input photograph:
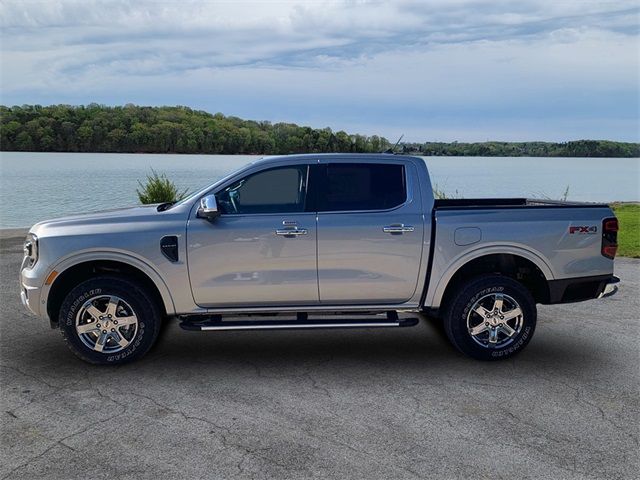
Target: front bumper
[31,290]
[30,297]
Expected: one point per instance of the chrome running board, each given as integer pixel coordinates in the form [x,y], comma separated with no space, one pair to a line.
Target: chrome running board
[216,323]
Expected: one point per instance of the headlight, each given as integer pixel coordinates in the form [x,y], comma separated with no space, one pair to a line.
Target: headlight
[30,249]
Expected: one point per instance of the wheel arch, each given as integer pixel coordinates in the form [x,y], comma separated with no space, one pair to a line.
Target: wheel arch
[73,271]
[519,264]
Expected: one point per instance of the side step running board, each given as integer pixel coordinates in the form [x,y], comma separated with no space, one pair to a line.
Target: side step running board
[216,323]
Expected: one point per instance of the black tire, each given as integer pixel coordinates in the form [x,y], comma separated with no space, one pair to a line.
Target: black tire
[457,313]
[145,309]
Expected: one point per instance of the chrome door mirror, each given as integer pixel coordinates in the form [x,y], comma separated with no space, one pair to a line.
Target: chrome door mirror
[208,207]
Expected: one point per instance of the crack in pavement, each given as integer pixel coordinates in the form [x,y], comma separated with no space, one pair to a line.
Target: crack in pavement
[61,441]
[29,375]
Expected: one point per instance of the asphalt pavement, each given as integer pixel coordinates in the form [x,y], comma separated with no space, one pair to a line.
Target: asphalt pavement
[365,404]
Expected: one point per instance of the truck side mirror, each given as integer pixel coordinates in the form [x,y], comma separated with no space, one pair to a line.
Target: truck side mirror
[208,208]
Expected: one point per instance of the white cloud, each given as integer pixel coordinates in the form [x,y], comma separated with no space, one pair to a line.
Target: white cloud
[335,62]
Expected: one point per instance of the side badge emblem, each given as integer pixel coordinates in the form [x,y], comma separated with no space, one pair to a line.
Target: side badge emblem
[169,247]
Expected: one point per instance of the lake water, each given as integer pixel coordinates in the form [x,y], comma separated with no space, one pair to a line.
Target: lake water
[38,186]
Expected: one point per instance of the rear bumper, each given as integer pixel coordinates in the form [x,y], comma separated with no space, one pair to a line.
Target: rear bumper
[610,288]
[579,289]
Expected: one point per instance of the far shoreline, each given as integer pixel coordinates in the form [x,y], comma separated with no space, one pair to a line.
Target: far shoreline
[136,128]
[414,154]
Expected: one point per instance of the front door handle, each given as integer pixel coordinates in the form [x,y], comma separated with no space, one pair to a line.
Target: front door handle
[399,228]
[287,232]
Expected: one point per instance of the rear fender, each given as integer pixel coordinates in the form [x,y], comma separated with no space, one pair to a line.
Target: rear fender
[436,292]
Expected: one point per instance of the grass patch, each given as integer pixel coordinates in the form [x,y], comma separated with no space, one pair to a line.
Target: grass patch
[158,189]
[629,235]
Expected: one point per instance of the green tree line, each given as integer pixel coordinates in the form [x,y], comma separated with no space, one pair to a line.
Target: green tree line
[578,148]
[136,129]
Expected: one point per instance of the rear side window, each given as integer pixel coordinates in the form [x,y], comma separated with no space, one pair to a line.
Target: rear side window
[277,190]
[362,186]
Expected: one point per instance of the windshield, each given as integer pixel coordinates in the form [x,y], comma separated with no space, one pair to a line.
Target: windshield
[204,190]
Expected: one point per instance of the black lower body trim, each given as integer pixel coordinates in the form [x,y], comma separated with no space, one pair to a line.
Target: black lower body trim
[578,289]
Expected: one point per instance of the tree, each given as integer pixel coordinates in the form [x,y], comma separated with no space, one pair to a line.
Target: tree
[24,142]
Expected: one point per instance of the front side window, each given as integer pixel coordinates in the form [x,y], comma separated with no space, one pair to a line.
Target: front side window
[362,186]
[277,190]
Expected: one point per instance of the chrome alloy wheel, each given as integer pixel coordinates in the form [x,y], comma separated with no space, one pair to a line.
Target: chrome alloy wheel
[495,320]
[106,324]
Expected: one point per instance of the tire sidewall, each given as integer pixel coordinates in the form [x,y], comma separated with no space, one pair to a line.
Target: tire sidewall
[137,298]
[457,319]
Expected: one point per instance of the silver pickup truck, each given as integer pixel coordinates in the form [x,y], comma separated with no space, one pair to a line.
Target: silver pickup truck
[316,241]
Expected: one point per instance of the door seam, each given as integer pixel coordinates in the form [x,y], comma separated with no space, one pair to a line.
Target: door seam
[317,259]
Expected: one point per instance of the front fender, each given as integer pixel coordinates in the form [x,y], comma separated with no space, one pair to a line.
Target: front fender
[128,258]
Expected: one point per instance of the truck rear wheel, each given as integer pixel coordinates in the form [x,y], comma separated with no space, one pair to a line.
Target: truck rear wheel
[109,320]
[490,317]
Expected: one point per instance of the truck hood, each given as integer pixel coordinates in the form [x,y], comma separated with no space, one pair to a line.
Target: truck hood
[109,219]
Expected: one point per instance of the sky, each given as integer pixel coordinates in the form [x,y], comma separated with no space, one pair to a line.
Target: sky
[441,70]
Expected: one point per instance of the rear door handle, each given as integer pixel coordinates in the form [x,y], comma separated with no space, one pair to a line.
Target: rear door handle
[398,228]
[286,232]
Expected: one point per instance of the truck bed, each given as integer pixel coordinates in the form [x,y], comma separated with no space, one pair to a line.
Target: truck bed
[536,230]
[464,203]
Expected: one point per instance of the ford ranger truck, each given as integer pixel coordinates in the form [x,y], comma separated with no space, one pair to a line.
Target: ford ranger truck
[316,241]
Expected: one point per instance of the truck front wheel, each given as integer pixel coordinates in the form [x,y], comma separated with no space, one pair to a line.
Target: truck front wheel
[109,320]
[490,317]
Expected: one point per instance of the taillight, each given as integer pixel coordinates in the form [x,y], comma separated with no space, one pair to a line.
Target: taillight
[610,237]
[610,225]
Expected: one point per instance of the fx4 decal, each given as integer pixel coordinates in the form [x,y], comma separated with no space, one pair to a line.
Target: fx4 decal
[583,229]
